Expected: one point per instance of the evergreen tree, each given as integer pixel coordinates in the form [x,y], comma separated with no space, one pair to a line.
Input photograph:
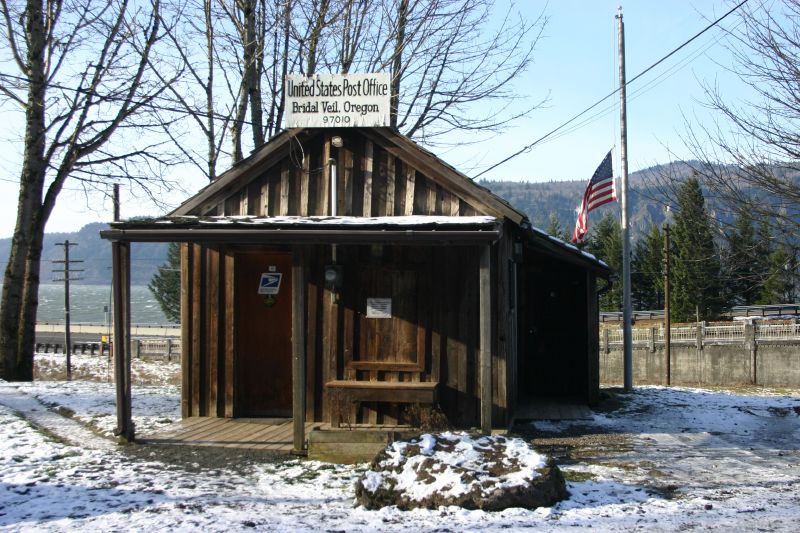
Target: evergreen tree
[166,284]
[647,270]
[779,287]
[765,246]
[605,243]
[554,228]
[742,261]
[695,265]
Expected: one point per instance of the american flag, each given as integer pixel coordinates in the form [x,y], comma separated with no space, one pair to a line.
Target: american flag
[600,191]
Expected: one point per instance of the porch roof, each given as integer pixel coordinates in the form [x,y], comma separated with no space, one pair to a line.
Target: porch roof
[309,230]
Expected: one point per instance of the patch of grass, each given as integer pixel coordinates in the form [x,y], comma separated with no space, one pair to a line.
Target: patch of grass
[668,492]
[66,412]
[577,477]
[306,475]
[611,399]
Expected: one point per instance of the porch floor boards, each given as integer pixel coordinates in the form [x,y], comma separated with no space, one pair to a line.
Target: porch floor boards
[252,434]
[551,409]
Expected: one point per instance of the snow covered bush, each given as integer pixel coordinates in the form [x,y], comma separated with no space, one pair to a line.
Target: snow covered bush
[489,473]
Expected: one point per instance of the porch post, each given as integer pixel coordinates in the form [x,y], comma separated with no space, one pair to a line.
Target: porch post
[298,351]
[485,332]
[121,272]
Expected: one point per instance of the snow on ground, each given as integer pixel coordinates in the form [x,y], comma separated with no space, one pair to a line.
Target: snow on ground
[662,460]
[91,396]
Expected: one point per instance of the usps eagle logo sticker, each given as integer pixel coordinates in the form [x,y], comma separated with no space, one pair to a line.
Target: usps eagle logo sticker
[270,283]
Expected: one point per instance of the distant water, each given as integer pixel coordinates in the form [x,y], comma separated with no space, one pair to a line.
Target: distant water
[92,304]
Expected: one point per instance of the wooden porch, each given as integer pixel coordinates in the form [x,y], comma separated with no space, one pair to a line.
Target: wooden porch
[270,434]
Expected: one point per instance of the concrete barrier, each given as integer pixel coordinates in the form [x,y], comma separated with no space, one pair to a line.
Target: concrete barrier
[736,354]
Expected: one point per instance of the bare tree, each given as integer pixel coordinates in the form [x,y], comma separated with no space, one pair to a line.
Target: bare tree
[750,159]
[449,71]
[82,78]
[198,21]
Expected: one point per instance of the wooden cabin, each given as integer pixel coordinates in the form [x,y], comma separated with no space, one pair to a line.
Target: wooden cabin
[341,275]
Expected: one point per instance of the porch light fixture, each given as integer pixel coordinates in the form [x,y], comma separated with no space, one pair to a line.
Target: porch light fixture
[337,141]
[333,277]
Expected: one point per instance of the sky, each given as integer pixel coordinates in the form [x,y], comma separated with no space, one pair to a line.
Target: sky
[575,64]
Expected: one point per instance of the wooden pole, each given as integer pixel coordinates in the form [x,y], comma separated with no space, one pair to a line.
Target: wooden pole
[121,268]
[667,320]
[298,352]
[485,327]
[116,202]
[626,245]
[67,335]
[67,272]
[121,292]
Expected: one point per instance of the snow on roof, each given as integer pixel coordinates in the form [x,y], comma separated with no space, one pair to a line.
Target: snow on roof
[568,245]
[413,220]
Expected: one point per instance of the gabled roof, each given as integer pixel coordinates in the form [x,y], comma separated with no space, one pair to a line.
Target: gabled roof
[393,142]
[245,170]
[417,156]
[272,152]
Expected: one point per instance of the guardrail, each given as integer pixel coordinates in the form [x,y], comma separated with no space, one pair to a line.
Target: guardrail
[699,334]
[777,331]
[166,348]
[139,330]
[752,311]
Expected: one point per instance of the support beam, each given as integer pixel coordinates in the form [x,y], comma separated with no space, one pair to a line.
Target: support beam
[367,162]
[283,207]
[121,272]
[485,327]
[298,351]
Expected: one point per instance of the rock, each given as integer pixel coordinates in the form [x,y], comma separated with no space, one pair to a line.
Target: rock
[489,473]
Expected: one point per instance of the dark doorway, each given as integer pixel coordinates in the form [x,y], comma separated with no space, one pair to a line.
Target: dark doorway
[264,334]
[554,360]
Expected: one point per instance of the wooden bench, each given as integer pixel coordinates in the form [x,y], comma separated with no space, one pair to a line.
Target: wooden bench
[378,391]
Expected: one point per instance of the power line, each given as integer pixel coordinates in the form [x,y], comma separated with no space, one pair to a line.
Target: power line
[548,135]
[612,93]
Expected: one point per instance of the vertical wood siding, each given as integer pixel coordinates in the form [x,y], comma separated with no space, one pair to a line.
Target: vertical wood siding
[370,182]
[434,333]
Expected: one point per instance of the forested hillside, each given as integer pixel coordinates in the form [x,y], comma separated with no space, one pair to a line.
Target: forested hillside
[539,200]
[96,255]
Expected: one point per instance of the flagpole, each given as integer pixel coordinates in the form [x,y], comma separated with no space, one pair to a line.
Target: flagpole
[626,245]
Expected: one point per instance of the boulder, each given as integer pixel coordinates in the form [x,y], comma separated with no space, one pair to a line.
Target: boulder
[441,469]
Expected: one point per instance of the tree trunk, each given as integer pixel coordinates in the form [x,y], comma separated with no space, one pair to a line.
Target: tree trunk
[284,62]
[210,124]
[18,315]
[238,124]
[314,38]
[397,62]
[30,304]
[252,65]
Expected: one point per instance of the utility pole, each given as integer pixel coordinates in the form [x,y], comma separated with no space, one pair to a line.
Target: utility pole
[667,320]
[626,244]
[115,200]
[67,277]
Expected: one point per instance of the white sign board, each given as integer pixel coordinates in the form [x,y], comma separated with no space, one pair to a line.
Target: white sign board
[379,308]
[270,283]
[340,100]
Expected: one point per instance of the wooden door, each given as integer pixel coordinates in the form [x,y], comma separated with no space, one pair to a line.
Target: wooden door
[264,335]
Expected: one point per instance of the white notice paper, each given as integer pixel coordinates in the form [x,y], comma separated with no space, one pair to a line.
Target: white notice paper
[379,308]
